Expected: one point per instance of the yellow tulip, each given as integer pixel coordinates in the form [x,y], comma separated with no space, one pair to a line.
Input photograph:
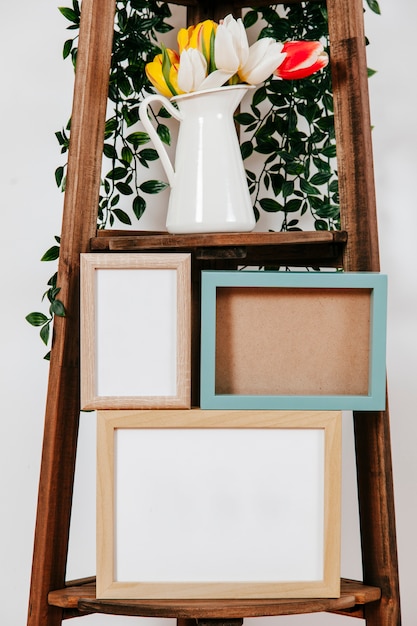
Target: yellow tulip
[200,37]
[163,73]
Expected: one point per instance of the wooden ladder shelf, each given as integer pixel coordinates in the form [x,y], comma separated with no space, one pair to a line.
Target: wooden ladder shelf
[355,248]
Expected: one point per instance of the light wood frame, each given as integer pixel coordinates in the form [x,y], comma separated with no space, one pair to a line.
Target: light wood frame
[131,534]
[293,340]
[135,331]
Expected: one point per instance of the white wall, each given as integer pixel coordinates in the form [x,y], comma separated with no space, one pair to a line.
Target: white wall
[35,102]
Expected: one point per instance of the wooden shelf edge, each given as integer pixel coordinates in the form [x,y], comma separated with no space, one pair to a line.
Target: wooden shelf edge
[298,248]
[81,596]
[120,239]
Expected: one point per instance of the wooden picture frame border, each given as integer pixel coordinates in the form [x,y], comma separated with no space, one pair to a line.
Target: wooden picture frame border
[180,394]
[110,423]
[373,398]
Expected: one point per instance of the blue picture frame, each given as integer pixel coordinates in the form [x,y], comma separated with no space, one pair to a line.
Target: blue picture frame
[373,397]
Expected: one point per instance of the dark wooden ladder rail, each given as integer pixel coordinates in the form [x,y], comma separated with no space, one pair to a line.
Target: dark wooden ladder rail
[354,153]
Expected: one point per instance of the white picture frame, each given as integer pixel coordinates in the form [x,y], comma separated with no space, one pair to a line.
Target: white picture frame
[218,504]
[135,331]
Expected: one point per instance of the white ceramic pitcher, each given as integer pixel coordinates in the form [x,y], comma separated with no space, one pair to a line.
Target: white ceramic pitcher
[209,192]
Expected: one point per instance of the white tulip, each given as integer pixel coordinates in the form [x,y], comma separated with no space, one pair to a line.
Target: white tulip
[233,55]
[231,47]
[192,70]
[265,55]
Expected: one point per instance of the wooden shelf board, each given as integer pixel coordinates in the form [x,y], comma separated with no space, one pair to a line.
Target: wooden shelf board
[323,248]
[82,596]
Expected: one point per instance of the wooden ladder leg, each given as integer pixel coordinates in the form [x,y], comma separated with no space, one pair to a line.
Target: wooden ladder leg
[359,218]
[79,225]
[377,515]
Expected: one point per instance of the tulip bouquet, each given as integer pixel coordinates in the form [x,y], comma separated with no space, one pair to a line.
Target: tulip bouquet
[211,55]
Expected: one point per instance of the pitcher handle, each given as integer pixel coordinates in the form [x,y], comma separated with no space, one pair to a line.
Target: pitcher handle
[159,146]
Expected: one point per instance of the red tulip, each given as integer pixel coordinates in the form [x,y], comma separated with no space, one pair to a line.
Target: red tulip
[303,59]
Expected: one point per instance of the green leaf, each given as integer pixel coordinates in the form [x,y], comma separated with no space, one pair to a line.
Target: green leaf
[127,154]
[138,138]
[149,154]
[52,293]
[37,319]
[139,206]
[288,188]
[250,18]
[163,27]
[153,186]
[66,50]
[62,138]
[270,205]
[334,186]
[124,188]
[59,175]
[122,216]
[124,85]
[267,147]
[117,173]
[374,6]
[259,96]
[52,254]
[163,112]
[57,308]
[294,168]
[53,279]
[292,206]
[109,151]
[328,210]
[44,333]
[329,151]
[69,14]
[308,188]
[321,178]
[164,134]
[321,225]
[277,181]
[111,126]
[139,4]
[245,119]
[246,149]
[371,72]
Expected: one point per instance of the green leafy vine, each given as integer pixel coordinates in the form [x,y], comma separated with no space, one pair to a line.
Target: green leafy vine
[287,129]
[291,124]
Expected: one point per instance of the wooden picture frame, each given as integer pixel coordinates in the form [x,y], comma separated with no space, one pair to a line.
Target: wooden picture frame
[218,504]
[135,331]
[293,340]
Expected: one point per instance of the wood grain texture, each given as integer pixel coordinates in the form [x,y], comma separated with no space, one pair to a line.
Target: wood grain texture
[358,212]
[119,240]
[90,263]
[354,595]
[377,515]
[108,422]
[79,225]
[353,134]
[301,249]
